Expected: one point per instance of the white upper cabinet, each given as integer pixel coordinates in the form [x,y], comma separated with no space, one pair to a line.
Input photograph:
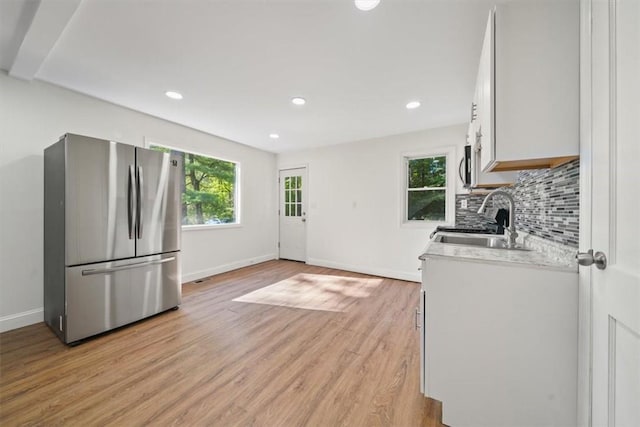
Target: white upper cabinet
[528,86]
[480,127]
[485,99]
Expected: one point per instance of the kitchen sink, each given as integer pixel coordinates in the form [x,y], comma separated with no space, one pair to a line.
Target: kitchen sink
[496,242]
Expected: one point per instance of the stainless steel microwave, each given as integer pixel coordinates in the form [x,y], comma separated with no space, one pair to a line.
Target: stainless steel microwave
[464,169]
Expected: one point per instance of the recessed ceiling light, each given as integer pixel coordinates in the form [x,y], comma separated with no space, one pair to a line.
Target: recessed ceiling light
[298,101]
[366,5]
[412,105]
[173,95]
[274,136]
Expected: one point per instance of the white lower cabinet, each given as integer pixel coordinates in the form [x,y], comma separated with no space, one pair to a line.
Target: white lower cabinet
[500,343]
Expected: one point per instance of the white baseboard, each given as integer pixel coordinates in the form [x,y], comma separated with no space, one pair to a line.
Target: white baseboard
[400,275]
[190,277]
[18,320]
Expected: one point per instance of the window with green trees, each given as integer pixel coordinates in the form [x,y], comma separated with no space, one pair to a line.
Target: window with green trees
[426,187]
[209,188]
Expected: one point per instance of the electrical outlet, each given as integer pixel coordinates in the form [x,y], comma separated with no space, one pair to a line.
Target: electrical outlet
[463,204]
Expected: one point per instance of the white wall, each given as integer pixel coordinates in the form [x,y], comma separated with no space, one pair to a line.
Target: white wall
[355,202]
[34,115]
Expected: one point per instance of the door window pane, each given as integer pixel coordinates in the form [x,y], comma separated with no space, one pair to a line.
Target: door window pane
[292,196]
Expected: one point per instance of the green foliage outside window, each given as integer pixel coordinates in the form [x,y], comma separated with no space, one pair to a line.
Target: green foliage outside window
[426,188]
[208,189]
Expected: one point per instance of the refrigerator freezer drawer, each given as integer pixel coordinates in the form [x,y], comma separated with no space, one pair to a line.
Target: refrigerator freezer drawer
[104,296]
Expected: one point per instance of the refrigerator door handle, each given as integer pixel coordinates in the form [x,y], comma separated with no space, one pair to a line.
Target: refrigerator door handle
[92,271]
[130,198]
[139,198]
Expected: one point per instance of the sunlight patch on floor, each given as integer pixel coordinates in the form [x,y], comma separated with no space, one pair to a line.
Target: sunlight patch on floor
[314,292]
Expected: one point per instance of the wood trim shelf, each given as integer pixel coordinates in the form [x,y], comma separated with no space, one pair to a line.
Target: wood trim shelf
[492,186]
[545,163]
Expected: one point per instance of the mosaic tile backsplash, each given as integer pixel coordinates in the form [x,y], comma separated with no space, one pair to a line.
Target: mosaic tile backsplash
[547,204]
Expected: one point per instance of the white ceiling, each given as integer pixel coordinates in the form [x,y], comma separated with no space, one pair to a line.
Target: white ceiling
[239,62]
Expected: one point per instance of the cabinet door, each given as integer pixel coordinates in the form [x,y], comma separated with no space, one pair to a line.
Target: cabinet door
[475,109]
[536,84]
[485,85]
[480,134]
[422,329]
[501,343]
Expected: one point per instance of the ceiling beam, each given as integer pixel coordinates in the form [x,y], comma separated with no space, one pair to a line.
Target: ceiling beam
[49,21]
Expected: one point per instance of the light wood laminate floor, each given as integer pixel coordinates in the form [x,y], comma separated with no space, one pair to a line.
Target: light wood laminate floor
[275,344]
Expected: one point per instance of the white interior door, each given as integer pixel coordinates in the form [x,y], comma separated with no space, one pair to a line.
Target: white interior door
[614,95]
[293,214]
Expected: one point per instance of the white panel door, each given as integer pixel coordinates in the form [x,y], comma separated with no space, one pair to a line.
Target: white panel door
[615,141]
[293,214]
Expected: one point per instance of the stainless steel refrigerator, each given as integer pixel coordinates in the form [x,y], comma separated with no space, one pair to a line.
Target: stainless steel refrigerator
[111,235]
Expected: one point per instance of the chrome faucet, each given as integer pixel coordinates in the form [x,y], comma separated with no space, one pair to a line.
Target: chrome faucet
[512,213]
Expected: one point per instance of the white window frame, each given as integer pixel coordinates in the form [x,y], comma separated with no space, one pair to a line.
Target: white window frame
[450,189]
[237,204]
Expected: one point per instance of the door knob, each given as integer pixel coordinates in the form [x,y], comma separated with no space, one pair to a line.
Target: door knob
[304,219]
[588,258]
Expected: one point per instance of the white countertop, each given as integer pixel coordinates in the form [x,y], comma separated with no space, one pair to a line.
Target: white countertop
[543,253]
